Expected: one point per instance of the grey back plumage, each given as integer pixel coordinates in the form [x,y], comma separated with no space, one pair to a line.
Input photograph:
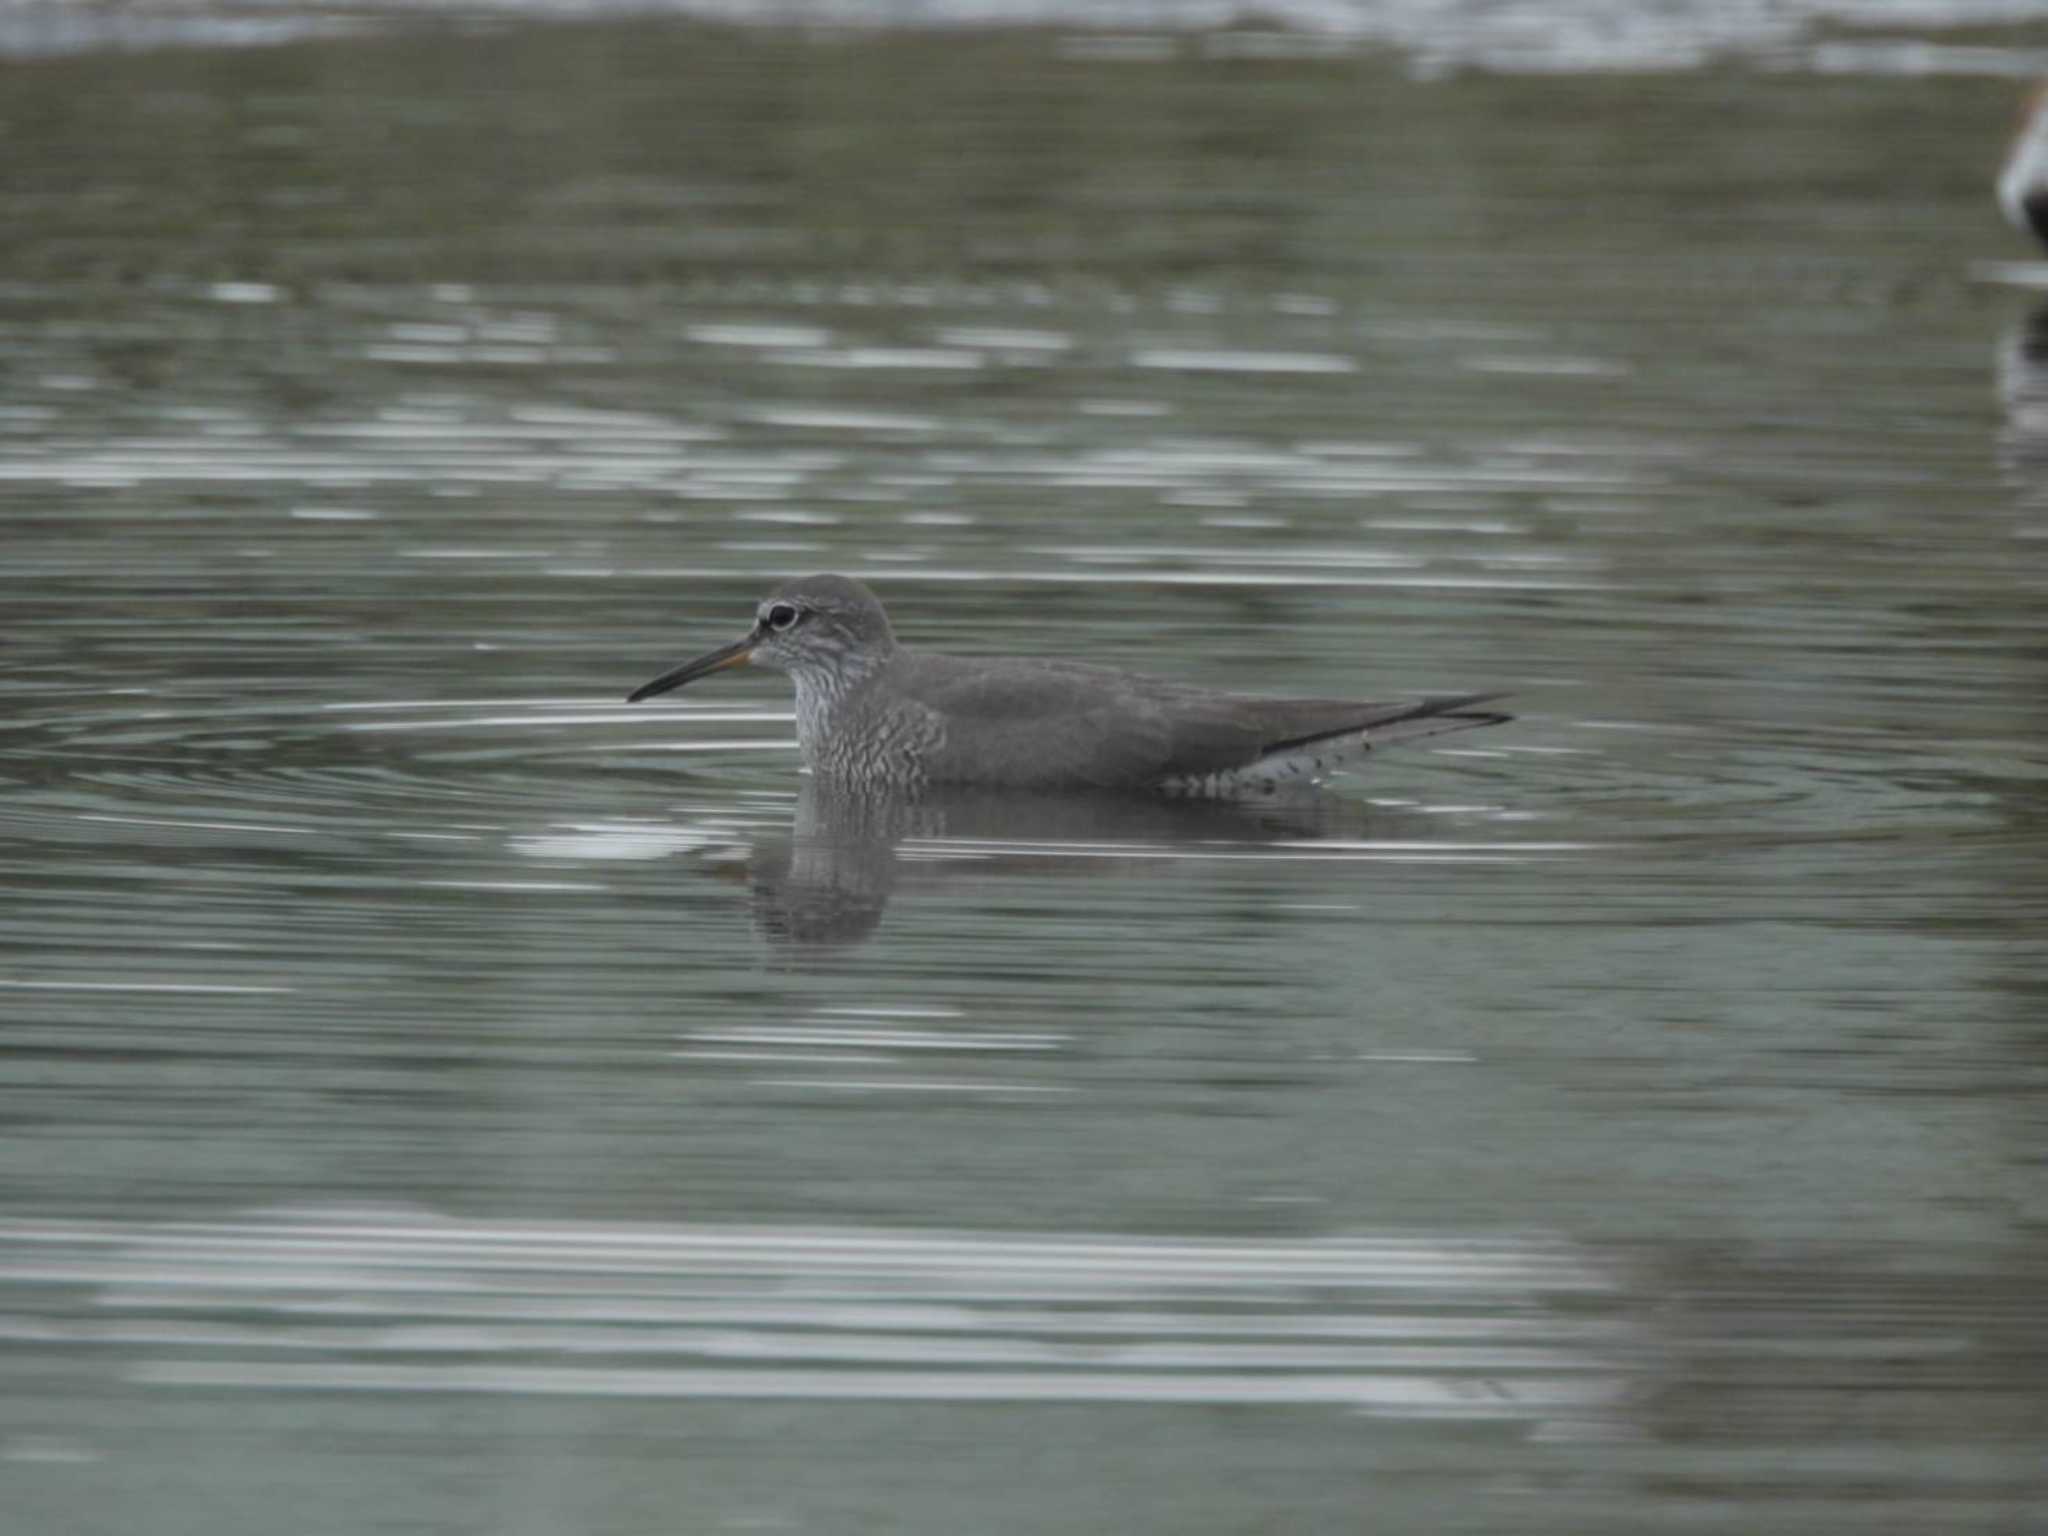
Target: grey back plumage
[1028,722]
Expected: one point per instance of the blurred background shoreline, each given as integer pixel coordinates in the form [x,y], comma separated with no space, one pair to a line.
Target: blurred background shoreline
[1431,37]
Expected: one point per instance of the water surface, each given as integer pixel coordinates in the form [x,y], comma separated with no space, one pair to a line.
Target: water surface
[440,1096]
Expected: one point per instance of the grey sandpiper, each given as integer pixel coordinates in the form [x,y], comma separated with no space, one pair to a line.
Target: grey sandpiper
[871,713]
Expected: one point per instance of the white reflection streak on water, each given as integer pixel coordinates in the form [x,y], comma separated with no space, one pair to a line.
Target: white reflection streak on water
[1194,360]
[941,358]
[759,335]
[1462,1325]
[895,1039]
[906,1085]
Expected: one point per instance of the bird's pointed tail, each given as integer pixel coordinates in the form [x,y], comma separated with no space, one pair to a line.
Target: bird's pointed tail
[1434,717]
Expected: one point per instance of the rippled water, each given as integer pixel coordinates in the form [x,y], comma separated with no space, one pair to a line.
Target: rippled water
[440,1096]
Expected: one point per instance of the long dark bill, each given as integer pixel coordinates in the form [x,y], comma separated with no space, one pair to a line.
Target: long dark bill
[733,655]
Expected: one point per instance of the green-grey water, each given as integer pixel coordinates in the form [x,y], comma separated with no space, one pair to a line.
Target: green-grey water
[439,1097]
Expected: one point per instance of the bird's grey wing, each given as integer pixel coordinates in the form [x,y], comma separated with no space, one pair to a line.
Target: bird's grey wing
[1032,722]
[1019,722]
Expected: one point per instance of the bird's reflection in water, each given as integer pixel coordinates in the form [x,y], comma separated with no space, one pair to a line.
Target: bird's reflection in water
[848,851]
[2023,391]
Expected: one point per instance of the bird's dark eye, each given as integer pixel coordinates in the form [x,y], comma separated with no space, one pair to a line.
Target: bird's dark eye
[781,616]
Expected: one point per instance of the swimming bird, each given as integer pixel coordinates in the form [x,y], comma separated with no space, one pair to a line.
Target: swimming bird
[873,713]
